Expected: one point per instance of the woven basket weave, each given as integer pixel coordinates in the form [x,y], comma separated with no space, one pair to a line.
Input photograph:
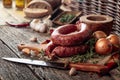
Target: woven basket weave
[106,7]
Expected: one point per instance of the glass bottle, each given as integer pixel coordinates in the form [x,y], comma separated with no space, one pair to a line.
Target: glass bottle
[20,4]
[7,3]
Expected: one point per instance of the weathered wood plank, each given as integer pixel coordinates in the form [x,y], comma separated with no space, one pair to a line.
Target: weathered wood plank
[17,15]
[14,36]
[12,71]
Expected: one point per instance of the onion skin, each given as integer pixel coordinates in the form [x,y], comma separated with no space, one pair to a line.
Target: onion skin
[114,39]
[103,46]
[99,34]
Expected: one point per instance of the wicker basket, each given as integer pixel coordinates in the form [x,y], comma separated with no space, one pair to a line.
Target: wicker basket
[106,7]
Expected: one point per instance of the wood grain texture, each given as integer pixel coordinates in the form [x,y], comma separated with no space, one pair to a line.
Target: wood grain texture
[10,37]
[12,71]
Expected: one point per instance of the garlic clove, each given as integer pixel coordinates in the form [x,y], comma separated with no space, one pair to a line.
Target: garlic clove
[34,22]
[38,25]
[33,39]
[48,22]
[72,72]
[43,28]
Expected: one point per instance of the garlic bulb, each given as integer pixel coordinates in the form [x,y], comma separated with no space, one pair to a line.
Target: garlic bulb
[34,22]
[43,28]
[48,22]
[37,27]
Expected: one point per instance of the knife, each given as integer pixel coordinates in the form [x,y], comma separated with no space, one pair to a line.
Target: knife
[61,65]
[51,64]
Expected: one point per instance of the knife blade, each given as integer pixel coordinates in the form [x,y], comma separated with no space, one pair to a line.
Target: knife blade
[61,65]
[52,64]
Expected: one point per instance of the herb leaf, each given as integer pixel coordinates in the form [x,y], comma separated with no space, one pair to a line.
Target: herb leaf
[88,55]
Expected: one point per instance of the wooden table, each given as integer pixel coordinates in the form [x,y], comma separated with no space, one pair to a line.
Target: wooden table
[10,37]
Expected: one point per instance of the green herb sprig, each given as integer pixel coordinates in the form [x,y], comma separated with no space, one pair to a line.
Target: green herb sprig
[41,54]
[88,55]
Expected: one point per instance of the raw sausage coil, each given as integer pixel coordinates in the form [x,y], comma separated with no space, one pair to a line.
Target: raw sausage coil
[63,51]
[53,50]
[49,48]
[70,34]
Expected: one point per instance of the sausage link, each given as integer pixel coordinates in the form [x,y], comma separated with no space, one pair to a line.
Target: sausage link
[70,34]
[49,48]
[64,51]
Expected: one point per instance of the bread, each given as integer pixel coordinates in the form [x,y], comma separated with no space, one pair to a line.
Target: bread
[42,4]
[38,8]
[35,12]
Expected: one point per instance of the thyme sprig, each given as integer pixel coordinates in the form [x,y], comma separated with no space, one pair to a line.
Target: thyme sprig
[89,53]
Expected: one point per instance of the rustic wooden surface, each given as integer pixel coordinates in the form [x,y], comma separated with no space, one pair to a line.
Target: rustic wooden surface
[10,37]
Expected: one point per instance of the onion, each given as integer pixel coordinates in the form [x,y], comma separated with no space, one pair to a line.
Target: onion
[114,39]
[103,46]
[99,34]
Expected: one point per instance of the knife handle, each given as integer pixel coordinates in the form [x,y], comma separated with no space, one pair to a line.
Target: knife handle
[89,67]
